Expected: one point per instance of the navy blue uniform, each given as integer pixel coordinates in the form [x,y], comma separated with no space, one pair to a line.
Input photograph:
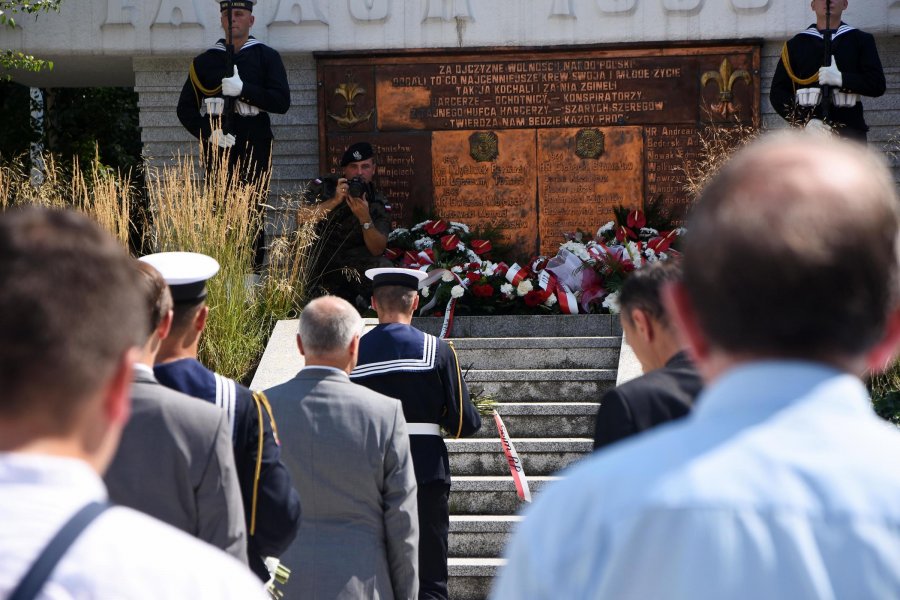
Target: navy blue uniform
[265,87]
[277,503]
[857,59]
[422,372]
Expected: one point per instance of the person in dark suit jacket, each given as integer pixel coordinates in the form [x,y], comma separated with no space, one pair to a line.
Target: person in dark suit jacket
[670,382]
[347,448]
[174,461]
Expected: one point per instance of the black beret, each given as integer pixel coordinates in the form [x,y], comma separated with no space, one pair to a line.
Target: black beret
[357,152]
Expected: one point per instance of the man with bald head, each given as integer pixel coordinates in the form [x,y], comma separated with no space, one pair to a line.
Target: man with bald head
[782,482]
[347,449]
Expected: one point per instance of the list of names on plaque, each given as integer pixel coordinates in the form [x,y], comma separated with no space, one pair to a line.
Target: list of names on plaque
[583,175]
[495,187]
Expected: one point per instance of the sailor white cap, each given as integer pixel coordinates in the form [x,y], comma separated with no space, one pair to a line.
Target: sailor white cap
[185,272]
[396,276]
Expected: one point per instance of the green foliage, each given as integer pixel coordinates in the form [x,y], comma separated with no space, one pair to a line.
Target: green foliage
[885,390]
[13,60]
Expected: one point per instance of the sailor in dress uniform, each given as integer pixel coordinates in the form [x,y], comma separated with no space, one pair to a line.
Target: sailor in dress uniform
[422,371]
[271,505]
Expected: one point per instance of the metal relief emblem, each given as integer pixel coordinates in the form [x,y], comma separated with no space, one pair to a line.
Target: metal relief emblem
[484,146]
[725,78]
[589,143]
[349,91]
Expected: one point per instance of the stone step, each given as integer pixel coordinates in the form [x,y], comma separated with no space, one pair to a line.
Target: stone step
[471,578]
[538,353]
[524,326]
[542,385]
[536,420]
[539,456]
[490,495]
[480,536]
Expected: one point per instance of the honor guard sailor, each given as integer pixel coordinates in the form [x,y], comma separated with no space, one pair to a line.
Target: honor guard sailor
[854,70]
[245,75]
[421,371]
[271,505]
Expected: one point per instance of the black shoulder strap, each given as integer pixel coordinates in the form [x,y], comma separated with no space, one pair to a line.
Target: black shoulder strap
[40,570]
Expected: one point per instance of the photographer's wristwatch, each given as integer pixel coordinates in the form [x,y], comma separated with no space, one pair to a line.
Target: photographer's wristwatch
[367,225]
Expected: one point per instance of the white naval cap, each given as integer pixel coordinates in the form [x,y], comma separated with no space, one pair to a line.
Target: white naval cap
[185,272]
[396,276]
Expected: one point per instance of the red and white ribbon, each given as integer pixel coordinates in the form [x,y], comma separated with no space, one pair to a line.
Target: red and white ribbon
[512,459]
[515,274]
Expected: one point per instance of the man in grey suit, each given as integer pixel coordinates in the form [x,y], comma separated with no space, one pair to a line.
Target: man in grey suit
[175,461]
[347,450]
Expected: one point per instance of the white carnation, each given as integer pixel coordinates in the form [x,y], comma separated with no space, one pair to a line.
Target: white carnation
[524,287]
[447,277]
[579,250]
[651,255]
[611,302]
[456,268]
[551,300]
[425,291]
[457,291]
[396,233]
[488,268]
[604,228]
[423,242]
[507,290]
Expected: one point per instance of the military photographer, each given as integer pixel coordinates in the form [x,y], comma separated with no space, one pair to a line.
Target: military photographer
[352,236]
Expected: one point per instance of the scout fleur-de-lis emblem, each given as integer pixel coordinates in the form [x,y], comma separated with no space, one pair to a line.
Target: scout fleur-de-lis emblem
[349,91]
[725,78]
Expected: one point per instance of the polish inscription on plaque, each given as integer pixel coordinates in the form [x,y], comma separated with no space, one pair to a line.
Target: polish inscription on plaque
[499,191]
[662,98]
[575,191]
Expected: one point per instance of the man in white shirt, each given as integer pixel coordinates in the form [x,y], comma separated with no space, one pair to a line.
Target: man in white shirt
[782,483]
[70,318]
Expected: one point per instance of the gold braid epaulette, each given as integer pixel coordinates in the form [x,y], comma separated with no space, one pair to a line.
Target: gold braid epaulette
[786,60]
[195,81]
[459,389]
[262,404]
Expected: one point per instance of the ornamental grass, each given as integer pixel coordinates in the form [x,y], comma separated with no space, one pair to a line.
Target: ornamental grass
[182,210]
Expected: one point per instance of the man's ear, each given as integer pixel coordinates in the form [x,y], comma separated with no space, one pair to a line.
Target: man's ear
[882,356]
[200,320]
[165,326]
[643,324]
[117,396]
[415,305]
[374,304]
[680,309]
[300,345]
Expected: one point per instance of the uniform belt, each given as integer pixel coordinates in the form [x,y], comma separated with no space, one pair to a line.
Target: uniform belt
[423,429]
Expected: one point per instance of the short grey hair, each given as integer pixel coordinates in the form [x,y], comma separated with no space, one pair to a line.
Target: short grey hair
[327,325]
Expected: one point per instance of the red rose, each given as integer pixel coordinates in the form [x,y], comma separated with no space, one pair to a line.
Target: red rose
[436,227]
[636,219]
[481,246]
[473,276]
[536,297]
[449,242]
[483,291]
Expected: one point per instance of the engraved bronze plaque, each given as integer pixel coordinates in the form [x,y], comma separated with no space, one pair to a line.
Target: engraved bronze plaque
[664,96]
[500,192]
[576,191]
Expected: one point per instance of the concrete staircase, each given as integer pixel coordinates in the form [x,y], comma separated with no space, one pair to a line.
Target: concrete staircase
[547,374]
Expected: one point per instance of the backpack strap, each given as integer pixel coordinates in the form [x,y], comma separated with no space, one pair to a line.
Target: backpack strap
[33,581]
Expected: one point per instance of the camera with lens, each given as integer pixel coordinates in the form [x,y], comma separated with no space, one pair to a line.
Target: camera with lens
[321,188]
[357,186]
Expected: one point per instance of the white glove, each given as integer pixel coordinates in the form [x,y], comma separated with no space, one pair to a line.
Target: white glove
[222,140]
[246,110]
[232,86]
[830,75]
[818,127]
